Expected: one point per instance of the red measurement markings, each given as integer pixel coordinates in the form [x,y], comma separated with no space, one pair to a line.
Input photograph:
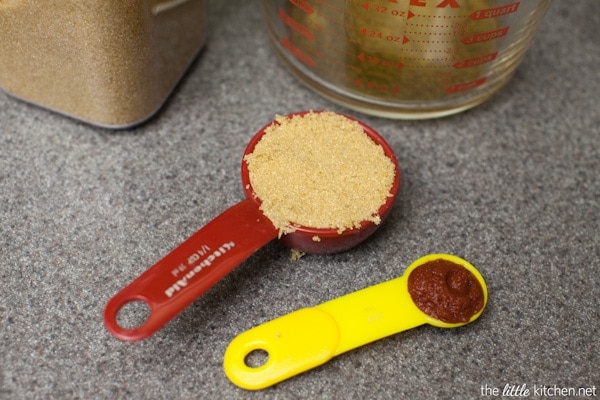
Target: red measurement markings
[303,5]
[440,3]
[295,25]
[430,63]
[472,62]
[299,54]
[379,87]
[365,58]
[380,35]
[485,36]
[383,9]
[463,87]
[315,27]
[430,33]
[495,12]
[426,25]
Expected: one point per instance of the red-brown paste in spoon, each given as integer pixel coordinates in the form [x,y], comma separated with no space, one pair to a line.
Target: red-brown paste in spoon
[445,291]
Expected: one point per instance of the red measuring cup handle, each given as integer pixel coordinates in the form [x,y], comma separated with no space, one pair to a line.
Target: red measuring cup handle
[192,268]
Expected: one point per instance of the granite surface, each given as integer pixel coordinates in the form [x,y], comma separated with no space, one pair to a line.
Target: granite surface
[512,186]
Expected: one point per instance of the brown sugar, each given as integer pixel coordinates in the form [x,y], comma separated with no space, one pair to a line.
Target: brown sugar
[319,170]
[109,63]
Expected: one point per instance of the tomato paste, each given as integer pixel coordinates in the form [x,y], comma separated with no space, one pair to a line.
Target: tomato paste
[446,291]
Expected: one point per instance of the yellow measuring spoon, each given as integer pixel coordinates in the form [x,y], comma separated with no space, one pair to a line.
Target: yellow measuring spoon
[439,289]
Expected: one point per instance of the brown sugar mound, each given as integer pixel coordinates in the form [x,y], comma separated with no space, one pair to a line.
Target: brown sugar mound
[319,170]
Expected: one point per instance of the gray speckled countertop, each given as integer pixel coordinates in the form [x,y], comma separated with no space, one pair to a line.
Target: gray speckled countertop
[512,186]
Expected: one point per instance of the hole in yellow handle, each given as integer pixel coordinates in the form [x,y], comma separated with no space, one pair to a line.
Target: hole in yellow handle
[293,343]
[256,358]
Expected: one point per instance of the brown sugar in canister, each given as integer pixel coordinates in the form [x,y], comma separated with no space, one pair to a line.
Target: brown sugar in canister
[445,291]
[107,62]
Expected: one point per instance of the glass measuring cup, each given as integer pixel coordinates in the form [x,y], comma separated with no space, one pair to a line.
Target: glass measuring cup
[405,59]
[309,337]
[212,252]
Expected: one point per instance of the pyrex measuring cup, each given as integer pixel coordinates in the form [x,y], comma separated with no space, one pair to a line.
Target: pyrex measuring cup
[217,248]
[309,337]
[403,58]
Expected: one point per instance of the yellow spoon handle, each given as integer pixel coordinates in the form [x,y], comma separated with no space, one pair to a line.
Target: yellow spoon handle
[310,337]
[294,343]
[373,313]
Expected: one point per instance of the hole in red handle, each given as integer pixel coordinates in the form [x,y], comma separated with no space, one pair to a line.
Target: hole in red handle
[133,314]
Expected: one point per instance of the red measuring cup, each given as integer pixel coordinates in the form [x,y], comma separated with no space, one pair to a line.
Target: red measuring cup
[217,248]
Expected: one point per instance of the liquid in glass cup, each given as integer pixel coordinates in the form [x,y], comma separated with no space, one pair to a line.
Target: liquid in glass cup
[405,59]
